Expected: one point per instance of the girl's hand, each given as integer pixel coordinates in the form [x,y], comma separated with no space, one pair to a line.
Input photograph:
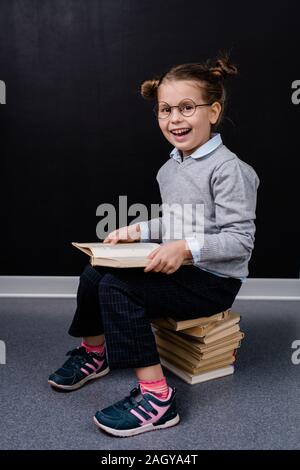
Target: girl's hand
[168,257]
[128,234]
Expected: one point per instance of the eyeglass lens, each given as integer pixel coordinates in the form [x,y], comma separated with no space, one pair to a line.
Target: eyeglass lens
[186,108]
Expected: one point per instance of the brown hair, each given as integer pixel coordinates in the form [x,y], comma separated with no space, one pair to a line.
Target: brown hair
[212,75]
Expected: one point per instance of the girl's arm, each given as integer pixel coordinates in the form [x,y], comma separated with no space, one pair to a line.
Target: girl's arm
[151,230]
[235,195]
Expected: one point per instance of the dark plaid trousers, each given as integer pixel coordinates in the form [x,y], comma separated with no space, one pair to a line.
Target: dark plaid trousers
[120,302]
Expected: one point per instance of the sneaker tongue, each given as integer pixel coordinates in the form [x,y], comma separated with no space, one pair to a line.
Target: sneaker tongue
[75,352]
[80,350]
[137,394]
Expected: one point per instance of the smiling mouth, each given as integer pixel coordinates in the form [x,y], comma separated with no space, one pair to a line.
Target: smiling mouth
[181,132]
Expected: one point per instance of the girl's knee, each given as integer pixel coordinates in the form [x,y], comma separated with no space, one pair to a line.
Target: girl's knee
[91,275]
[108,279]
[111,281]
[87,270]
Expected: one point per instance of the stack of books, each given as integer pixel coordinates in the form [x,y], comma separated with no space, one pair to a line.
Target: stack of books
[200,349]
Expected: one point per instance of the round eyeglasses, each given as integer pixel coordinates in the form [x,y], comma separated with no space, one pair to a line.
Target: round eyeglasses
[186,107]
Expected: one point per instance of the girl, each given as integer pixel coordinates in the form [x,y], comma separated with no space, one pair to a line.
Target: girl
[119,303]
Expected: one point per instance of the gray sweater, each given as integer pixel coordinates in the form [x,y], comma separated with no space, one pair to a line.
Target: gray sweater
[226,189]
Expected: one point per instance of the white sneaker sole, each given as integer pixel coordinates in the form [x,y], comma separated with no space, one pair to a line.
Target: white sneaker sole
[93,376]
[134,432]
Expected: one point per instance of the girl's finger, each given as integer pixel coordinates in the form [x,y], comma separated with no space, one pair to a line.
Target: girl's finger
[153,253]
[151,265]
[110,240]
[148,267]
[159,266]
[170,271]
[109,237]
[163,265]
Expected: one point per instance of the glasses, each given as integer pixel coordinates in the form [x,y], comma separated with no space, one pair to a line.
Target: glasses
[186,107]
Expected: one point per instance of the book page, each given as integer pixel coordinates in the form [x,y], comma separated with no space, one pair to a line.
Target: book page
[120,250]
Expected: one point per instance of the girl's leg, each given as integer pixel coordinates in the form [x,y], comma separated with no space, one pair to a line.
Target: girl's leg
[151,379]
[94,340]
[129,337]
[128,301]
[149,373]
[128,333]
[87,322]
[88,361]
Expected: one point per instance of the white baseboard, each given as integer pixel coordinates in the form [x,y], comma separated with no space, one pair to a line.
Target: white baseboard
[66,287]
[39,286]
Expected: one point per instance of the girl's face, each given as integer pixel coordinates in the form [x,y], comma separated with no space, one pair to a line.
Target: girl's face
[174,91]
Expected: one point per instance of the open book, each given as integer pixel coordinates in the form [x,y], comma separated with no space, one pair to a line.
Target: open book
[121,255]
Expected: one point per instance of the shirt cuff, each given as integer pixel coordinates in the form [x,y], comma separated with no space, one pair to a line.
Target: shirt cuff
[144,231]
[194,248]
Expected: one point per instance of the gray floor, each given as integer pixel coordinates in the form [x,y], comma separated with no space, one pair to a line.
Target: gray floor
[256,408]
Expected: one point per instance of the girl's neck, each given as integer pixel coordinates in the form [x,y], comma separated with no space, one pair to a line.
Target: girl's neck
[184,157]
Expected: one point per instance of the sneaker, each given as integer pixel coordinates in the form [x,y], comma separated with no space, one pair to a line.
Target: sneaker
[79,369]
[138,413]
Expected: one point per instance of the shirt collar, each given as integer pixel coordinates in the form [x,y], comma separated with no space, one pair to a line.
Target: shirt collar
[201,151]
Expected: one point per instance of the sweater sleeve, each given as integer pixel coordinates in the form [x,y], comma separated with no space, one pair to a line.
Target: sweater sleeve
[151,230]
[234,188]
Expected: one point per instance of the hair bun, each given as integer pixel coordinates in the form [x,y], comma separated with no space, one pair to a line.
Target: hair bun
[223,67]
[149,88]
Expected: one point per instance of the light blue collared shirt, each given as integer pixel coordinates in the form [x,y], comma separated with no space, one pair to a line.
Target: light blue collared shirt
[212,144]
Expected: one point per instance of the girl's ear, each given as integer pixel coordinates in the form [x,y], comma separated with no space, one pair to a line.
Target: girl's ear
[214,112]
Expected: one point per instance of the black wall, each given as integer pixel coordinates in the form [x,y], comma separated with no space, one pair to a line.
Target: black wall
[75,133]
